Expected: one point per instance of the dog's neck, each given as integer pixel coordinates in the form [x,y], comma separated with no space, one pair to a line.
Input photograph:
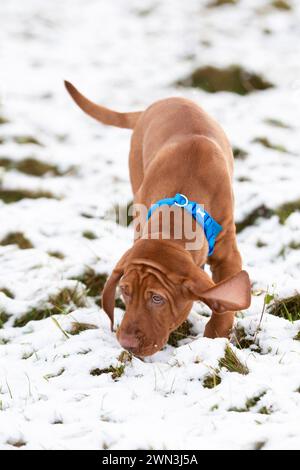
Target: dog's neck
[182,231]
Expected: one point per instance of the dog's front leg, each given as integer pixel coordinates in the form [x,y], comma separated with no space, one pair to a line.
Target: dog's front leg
[225,262]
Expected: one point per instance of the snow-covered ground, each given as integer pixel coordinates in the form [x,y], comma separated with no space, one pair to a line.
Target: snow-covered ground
[126,54]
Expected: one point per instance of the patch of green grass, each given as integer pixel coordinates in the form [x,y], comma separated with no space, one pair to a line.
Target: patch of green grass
[251,402]
[286,209]
[30,166]
[3,318]
[182,332]
[233,79]
[277,123]
[281,5]
[239,153]
[259,212]
[3,120]
[244,179]
[294,245]
[78,327]
[125,357]
[287,308]
[259,445]
[297,337]
[34,314]
[16,443]
[66,301]
[291,246]
[115,371]
[265,410]
[145,11]
[4,341]
[265,142]
[9,196]
[261,244]
[56,254]
[17,238]
[7,292]
[242,339]
[89,235]
[94,282]
[211,380]
[26,139]
[231,362]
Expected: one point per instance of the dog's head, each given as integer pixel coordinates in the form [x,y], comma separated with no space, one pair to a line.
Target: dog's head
[159,282]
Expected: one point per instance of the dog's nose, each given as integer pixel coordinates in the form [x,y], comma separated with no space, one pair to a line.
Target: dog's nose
[129,342]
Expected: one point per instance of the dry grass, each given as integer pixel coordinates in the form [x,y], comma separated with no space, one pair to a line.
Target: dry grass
[250,403]
[30,166]
[212,380]
[282,5]
[250,219]
[3,120]
[94,282]
[7,292]
[297,337]
[220,3]
[78,327]
[26,139]
[182,332]
[239,153]
[89,235]
[17,238]
[3,318]
[115,371]
[9,196]
[232,363]
[276,123]
[265,142]
[234,79]
[66,301]
[285,210]
[56,254]
[243,340]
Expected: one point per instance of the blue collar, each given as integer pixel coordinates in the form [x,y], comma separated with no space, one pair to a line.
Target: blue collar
[210,226]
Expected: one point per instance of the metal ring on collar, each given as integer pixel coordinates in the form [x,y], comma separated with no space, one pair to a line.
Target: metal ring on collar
[185,202]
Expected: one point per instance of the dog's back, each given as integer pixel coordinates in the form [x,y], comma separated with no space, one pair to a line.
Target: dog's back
[168,121]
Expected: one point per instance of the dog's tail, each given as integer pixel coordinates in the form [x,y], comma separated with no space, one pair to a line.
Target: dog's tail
[104,115]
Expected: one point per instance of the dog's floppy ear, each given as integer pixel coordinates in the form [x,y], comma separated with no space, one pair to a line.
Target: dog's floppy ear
[231,294]
[109,291]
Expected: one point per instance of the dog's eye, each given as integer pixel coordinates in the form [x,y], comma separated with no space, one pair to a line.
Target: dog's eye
[157,299]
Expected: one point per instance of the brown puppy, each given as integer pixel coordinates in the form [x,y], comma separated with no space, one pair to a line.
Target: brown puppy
[176,147]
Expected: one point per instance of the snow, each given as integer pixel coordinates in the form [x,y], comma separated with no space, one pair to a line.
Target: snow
[126,55]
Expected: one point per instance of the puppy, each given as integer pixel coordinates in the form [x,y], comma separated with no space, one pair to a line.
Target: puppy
[181,167]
